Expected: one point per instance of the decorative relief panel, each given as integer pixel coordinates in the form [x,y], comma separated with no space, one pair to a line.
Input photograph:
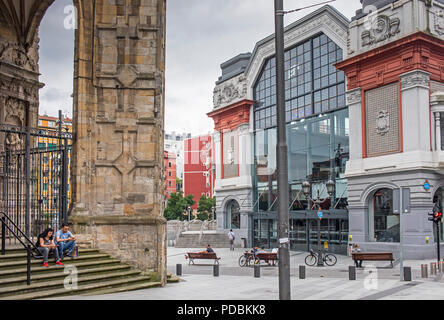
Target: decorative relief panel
[230,91]
[383,120]
[382,28]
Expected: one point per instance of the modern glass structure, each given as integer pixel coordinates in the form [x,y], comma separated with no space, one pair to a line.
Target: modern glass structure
[317,137]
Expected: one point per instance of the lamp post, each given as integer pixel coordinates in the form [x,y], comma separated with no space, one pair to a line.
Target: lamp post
[213,211]
[306,188]
[189,214]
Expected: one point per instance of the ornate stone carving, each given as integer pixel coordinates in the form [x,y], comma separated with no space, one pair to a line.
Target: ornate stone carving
[15,54]
[382,28]
[354,96]
[439,22]
[415,78]
[229,91]
[383,123]
[15,111]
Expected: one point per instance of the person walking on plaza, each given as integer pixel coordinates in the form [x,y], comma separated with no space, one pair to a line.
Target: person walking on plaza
[45,244]
[232,238]
[65,241]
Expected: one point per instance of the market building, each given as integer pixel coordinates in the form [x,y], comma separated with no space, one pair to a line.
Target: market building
[317,131]
[395,82]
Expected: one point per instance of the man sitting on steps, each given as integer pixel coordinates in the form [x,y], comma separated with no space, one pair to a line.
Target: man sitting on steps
[65,241]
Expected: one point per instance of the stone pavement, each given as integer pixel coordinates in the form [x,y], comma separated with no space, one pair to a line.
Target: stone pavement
[326,283]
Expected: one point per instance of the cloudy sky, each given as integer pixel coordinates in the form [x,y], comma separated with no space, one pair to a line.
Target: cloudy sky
[201,34]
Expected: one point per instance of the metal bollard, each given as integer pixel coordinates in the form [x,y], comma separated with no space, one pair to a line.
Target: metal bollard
[441,266]
[216,270]
[424,271]
[433,269]
[407,274]
[302,274]
[257,271]
[179,269]
[352,273]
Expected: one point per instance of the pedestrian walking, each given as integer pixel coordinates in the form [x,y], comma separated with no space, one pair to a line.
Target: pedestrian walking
[232,238]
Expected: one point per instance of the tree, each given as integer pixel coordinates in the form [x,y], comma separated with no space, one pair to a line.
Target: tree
[205,208]
[177,205]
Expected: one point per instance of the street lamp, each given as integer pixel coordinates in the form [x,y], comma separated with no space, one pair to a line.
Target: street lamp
[189,214]
[213,210]
[306,188]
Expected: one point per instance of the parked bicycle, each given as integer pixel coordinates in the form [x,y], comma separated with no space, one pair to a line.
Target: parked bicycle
[247,259]
[328,258]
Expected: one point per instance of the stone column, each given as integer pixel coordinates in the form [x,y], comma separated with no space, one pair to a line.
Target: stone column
[118,129]
[416,110]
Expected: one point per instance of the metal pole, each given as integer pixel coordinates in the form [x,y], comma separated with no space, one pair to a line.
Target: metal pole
[28,183]
[438,241]
[282,160]
[28,265]
[320,258]
[401,237]
[3,236]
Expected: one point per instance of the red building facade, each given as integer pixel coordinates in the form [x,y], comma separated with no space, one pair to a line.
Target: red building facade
[170,173]
[199,175]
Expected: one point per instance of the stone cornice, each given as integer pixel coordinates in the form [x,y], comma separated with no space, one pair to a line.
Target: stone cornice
[354,96]
[416,78]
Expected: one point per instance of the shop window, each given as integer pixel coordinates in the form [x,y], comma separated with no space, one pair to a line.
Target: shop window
[384,225]
[232,218]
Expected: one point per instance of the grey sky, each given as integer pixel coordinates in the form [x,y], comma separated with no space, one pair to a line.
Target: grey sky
[201,34]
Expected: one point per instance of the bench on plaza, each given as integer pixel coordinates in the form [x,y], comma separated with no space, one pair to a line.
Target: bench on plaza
[373,256]
[266,256]
[202,256]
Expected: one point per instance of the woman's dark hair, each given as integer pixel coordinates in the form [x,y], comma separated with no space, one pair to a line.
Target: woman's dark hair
[45,233]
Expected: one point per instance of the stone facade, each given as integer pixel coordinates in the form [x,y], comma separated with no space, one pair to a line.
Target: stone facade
[117,161]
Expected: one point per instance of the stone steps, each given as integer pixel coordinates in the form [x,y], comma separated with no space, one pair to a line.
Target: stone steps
[196,240]
[96,272]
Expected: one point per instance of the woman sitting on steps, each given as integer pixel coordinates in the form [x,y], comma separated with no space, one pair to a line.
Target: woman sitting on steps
[45,244]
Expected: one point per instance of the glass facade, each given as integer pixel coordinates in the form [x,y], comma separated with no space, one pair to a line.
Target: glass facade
[313,84]
[318,146]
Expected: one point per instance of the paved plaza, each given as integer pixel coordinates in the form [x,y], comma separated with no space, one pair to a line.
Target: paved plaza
[377,282]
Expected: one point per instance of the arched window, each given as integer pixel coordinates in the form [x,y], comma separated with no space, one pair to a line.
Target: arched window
[384,225]
[232,217]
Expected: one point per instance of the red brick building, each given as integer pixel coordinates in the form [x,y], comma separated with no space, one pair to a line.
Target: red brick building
[170,173]
[199,174]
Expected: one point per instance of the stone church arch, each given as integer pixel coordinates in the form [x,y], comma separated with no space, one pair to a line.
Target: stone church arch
[118,116]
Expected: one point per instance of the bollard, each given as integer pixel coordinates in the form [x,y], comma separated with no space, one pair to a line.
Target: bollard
[302,274]
[216,270]
[433,269]
[424,271]
[257,271]
[179,269]
[352,273]
[441,266]
[407,274]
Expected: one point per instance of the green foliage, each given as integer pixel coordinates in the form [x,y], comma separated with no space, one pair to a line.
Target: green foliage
[205,208]
[177,205]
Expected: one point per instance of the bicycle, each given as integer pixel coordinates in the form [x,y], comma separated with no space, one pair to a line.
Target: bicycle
[247,259]
[312,259]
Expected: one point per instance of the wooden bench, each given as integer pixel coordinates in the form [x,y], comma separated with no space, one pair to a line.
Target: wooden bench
[266,256]
[373,256]
[202,256]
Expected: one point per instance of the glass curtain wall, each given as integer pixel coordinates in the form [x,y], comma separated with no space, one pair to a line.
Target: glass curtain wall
[317,137]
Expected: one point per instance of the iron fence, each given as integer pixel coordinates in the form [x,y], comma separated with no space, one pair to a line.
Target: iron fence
[34,178]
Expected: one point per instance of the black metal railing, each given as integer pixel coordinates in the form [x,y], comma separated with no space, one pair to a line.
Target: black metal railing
[21,238]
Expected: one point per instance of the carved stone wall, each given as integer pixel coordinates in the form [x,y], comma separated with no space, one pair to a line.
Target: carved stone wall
[117,159]
[119,121]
